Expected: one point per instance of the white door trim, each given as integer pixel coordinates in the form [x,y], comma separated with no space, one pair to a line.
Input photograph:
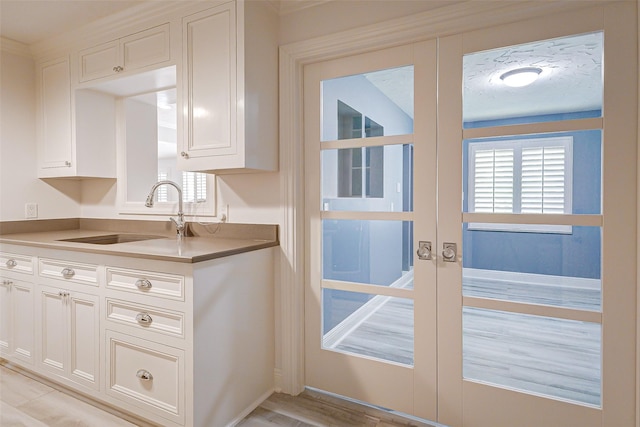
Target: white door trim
[448,20]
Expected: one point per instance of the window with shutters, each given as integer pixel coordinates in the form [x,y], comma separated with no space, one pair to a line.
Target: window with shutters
[522,176]
[194,187]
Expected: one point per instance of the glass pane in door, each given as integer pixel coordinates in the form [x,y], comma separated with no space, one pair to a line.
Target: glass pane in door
[368,251]
[549,80]
[555,173]
[368,179]
[368,325]
[379,103]
[547,268]
[541,355]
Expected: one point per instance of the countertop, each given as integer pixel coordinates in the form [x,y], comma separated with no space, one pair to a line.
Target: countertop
[205,243]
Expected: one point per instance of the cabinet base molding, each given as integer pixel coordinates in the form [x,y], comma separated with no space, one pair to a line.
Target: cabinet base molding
[77,395]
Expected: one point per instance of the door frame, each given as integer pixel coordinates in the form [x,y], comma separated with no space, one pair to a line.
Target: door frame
[467,16]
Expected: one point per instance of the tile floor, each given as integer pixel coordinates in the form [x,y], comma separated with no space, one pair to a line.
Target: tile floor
[25,402]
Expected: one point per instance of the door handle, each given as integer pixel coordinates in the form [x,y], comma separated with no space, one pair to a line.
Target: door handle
[449,252]
[424,250]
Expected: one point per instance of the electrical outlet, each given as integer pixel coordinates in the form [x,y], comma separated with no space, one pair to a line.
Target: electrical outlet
[31,210]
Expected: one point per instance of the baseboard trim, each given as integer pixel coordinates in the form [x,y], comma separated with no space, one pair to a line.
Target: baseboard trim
[251,408]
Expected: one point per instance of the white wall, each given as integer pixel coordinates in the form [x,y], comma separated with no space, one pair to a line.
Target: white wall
[335,16]
[18,181]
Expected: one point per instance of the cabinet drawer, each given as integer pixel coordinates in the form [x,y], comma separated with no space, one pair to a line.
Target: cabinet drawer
[146,282]
[18,263]
[70,271]
[146,318]
[146,375]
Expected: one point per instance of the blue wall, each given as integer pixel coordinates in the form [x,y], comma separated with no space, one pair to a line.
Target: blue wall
[576,254]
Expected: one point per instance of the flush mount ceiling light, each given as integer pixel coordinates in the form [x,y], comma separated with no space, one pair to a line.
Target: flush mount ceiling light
[521,76]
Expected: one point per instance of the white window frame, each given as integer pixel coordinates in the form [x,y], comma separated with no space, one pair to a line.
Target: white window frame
[518,145]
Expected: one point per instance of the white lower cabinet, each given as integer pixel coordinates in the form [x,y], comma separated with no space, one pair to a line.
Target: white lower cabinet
[176,344]
[69,335]
[16,320]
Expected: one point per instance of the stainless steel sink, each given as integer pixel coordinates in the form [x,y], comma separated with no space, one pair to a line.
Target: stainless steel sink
[111,239]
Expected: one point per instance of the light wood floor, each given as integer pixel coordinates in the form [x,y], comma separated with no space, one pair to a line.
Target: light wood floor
[25,402]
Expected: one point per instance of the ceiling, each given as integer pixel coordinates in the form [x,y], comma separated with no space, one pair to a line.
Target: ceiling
[32,21]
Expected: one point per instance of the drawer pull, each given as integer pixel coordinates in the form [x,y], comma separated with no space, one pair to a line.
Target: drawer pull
[11,263]
[68,273]
[144,375]
[143,284]
[144,318]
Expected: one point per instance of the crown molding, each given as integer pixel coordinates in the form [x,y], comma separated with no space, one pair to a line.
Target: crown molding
[113,26]
[14,47]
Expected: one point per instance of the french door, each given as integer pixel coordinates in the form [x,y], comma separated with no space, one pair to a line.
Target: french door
[471,244]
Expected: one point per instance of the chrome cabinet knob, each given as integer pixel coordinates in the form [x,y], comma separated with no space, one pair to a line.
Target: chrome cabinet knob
[63,294]
[184,154]
[7,283]
[11,263]
[143,284]
[67,163]
[118,68]
[68,273]
[144,318]
[144,375]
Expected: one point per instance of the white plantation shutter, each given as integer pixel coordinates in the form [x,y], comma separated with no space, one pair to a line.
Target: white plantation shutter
[161,192]
[543,180]
[194,187]
[493,181]
[530,176]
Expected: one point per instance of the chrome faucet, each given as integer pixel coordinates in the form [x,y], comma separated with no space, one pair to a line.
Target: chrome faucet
[180,224]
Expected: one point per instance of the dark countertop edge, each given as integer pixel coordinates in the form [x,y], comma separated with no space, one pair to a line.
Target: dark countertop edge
[158,257]
[222,254]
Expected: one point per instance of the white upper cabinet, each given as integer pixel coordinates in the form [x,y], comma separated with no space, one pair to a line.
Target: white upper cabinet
[54,87]
[222,59]
[76,128]
[229,88]
[128,54]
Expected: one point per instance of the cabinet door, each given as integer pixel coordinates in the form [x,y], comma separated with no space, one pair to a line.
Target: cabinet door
[209,82]
[146,48]
[84,334]
[53,329]
[22,298]
[139,50]
[99,61]
[55,117]
[5,317]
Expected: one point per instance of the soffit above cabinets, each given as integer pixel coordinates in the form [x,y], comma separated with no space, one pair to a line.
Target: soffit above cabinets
[37,20]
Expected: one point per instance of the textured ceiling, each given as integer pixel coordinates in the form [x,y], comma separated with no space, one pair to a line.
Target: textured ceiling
[571,79]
